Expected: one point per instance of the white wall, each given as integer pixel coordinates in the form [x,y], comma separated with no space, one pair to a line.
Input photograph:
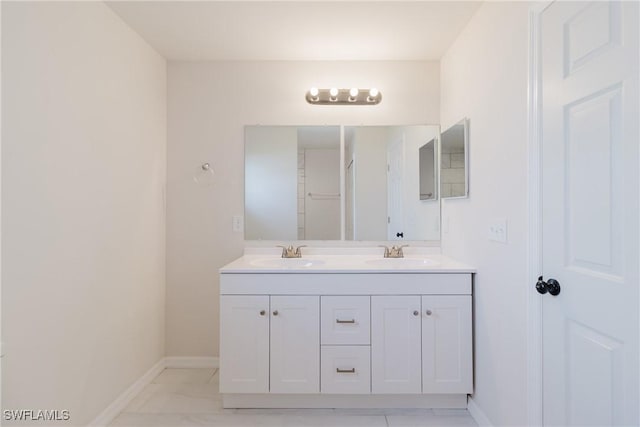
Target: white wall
[322,176]
[208,105]
[83,169]
[484,77]
[271,186]
[370,194]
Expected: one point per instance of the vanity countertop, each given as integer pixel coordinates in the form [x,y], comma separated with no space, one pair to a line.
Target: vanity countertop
[345,263]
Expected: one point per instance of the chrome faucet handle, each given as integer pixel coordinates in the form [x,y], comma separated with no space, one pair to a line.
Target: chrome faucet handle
[286,250]
[298,253]
[396,251]
[386,250]
[290,251]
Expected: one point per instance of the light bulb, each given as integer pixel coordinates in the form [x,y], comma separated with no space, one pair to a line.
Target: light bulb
[313,92]
[353,92]
[333,92]
[373,92]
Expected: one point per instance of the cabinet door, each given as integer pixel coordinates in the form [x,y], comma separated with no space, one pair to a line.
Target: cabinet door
[446,344]
[244,344]
[295,344]
[395,344]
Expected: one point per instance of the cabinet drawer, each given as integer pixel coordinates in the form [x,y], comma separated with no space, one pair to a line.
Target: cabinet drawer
[345,320]
[345,369]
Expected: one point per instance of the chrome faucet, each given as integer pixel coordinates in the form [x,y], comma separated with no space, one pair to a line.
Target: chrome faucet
[291,252]
[393,251]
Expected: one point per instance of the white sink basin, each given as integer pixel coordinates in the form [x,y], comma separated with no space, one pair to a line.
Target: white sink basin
[402,262]
[287,262]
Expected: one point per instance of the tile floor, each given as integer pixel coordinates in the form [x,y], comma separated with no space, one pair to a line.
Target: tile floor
[189,397]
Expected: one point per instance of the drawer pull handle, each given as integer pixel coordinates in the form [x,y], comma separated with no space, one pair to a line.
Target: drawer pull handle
[346,321]
[346,371]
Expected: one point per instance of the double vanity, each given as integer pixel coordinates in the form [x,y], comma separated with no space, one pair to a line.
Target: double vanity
[353,330]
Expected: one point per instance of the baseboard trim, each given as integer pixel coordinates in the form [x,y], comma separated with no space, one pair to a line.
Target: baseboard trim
[191,362]
[121,402]
[477,414]
[316,401]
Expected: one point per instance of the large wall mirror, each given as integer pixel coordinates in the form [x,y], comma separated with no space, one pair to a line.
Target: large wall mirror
[342,182]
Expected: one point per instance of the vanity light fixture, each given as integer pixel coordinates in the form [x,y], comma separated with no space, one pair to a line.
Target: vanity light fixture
[335,96]
[313,92]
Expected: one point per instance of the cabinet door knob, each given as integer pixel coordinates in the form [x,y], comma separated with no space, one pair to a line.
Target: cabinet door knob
[416,312]
[262,312]
[275,312]
[429,312]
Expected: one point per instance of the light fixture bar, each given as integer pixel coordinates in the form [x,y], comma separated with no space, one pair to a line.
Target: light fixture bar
[352,96]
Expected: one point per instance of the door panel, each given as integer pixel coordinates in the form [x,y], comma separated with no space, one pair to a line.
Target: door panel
[395,344]
[395,189]
[446,344]
[244,344]
[589,92]
[295,344]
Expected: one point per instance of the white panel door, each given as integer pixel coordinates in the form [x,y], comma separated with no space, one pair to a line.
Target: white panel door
[447,362]
[590,189]
[244,344]
[395,189]
[295,344]
[395,344]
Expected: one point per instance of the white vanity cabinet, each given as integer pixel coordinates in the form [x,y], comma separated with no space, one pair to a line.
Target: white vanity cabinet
[295,344]
[269,344]
[345,339]
[395,344]
[244,343]
[447,337]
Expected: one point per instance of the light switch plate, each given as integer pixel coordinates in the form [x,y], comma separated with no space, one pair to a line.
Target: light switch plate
[238,223]
[498,230]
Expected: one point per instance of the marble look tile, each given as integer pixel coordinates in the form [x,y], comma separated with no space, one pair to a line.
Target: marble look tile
[430,420]
[452,176]
[382,411]
[195,420]
[451,412]
[333,421]
[445,161]
[178,398]
[284,411]
[457,160]
[184,376]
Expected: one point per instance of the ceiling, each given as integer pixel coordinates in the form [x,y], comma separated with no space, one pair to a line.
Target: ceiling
[297,30]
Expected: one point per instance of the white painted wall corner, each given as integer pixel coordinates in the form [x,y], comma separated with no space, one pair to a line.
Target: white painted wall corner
[191,362]
[122,401]
[478,414]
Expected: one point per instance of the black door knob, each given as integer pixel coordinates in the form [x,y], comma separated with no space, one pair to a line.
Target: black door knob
[552,286]
[400,234]
[541,286]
